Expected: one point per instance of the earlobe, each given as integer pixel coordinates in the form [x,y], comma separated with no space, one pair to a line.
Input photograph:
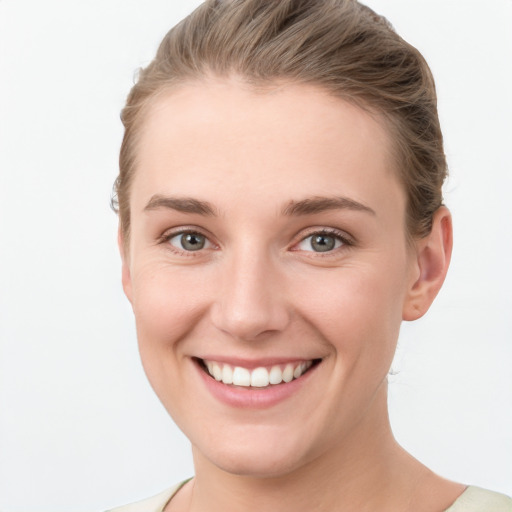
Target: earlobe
[433,255]
[125,269]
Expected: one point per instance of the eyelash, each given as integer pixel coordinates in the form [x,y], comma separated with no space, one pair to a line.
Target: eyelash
[346,241]
[167,237]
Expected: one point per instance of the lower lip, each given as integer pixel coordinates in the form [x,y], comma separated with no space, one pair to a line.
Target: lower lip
[253,398]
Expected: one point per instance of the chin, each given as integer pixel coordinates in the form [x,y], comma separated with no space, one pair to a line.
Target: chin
[257,456]
[255,465]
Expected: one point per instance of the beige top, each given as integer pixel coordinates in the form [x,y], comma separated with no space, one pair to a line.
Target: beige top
[473,499]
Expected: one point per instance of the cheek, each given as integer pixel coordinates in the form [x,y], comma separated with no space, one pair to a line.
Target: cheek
[165,296]
[168,305]
[355,309]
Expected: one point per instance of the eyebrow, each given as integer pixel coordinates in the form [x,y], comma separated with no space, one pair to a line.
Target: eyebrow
[181,204]
[308,206]
[318,204]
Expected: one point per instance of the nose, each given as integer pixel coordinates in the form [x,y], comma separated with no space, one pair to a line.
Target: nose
[251,299]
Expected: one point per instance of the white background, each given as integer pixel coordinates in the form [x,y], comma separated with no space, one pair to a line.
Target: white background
[80,429]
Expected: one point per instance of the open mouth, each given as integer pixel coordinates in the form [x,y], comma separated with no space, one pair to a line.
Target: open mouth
[260,377]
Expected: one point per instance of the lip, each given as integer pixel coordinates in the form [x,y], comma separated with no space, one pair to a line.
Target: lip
[253,398]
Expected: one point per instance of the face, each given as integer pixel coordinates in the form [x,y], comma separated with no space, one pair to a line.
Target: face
[268,270]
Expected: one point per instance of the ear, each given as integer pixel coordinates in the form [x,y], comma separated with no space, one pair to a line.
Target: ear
[432,258]
[125,272]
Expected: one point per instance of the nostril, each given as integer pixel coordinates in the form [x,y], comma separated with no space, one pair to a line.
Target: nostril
[250,322]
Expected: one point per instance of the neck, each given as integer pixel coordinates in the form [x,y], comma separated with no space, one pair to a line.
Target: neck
[365,471]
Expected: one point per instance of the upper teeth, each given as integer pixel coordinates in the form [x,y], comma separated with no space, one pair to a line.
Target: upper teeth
[259,377]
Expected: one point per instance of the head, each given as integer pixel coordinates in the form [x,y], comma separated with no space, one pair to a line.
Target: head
[280,210]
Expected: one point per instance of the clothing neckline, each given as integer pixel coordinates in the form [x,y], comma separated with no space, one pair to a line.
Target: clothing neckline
[471,494]
[174,491]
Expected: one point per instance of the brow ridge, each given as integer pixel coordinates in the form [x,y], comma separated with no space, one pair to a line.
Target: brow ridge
[319,204]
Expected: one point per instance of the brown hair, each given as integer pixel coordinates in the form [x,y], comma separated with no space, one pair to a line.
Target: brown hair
[339,45]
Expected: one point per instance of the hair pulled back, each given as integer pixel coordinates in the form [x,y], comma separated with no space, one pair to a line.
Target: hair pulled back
[341,46]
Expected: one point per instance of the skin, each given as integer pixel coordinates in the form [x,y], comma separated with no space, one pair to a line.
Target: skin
[258,289]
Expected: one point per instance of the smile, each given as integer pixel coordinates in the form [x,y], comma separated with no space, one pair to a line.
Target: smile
[260,377]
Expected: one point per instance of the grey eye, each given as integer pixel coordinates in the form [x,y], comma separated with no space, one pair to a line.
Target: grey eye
[189,241]
[320,242]
[323,243]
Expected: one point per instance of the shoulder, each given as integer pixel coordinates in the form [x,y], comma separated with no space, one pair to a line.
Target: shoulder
[154,504]
[475,499]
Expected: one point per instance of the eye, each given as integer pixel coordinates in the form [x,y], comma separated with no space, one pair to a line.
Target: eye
[321,242]
[189,241]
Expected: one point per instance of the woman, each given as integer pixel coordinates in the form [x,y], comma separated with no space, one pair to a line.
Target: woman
[280,215]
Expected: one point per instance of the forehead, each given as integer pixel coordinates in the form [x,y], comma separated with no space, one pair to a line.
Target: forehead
[288,139]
